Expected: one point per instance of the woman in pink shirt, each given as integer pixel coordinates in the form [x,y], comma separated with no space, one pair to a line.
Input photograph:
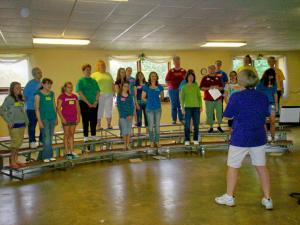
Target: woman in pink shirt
[69,112]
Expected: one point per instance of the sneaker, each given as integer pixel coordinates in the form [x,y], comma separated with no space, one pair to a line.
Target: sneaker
[186,143]
[74,155]
[267,203]
[33,145]
[210,130]
[68,156]
[196,142]
[85,139]
[95,138]
[225,200]
[220,130]
[174,122]
[46,160]
[53,159]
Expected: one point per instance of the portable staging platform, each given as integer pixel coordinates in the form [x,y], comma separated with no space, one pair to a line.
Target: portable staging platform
[108,148]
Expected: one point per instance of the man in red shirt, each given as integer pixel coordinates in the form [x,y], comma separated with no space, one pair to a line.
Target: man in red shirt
[173,80]
[209,82]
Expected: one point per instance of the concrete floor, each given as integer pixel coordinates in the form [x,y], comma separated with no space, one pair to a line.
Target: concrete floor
[177,191]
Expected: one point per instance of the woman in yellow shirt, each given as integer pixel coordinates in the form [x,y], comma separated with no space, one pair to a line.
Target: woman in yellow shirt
[247,65]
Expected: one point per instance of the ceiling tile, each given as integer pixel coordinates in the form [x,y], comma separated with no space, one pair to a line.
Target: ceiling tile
[174,24]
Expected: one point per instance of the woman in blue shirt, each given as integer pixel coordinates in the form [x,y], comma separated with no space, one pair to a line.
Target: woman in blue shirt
[249,110]
[153,94]
[268,86]
[29,92]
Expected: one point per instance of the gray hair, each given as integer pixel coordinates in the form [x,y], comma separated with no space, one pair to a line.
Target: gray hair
[176,57]
[35,70]
[211,67]
[247,79]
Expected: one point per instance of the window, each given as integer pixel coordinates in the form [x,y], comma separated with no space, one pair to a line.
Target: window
[158,64]
[13,68]
[236,63]
[261,65]
[160,68]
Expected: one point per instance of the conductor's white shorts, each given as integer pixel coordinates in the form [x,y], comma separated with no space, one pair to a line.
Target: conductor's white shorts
[236,155]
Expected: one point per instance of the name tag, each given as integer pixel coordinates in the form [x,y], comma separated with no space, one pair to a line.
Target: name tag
[139,87]
[19,104]
[48,98]
[71,102]
[123,99]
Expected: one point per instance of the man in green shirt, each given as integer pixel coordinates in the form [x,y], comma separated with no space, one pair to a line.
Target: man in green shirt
[106,85]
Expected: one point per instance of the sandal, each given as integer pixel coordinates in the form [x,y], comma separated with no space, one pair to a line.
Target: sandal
[14,166]
[158,145]
[21,164]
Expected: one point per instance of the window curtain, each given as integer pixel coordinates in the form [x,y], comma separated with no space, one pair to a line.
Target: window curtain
[159,59]
[130,58]
[124,58]
[13,58]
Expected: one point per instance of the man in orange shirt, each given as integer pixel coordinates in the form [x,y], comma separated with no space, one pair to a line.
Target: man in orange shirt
[279,78]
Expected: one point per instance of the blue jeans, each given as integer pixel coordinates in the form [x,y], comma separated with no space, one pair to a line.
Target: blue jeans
[192,114]
[153,124]
[175,104]
[48,132]
[31,126]
[140,113]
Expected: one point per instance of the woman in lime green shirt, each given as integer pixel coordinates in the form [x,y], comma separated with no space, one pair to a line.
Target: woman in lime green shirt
[191,101]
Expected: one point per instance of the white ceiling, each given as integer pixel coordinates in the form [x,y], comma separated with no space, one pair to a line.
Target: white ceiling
[153,24]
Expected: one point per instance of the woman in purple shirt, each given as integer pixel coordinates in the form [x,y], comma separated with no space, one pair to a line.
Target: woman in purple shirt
[249,110]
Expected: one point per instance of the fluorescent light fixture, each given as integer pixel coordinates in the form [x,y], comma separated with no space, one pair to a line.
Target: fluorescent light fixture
[224,44]
[60,41]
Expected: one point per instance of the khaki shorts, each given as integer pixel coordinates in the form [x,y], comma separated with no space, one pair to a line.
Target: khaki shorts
[16,136]
[69,124]
[236,155]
